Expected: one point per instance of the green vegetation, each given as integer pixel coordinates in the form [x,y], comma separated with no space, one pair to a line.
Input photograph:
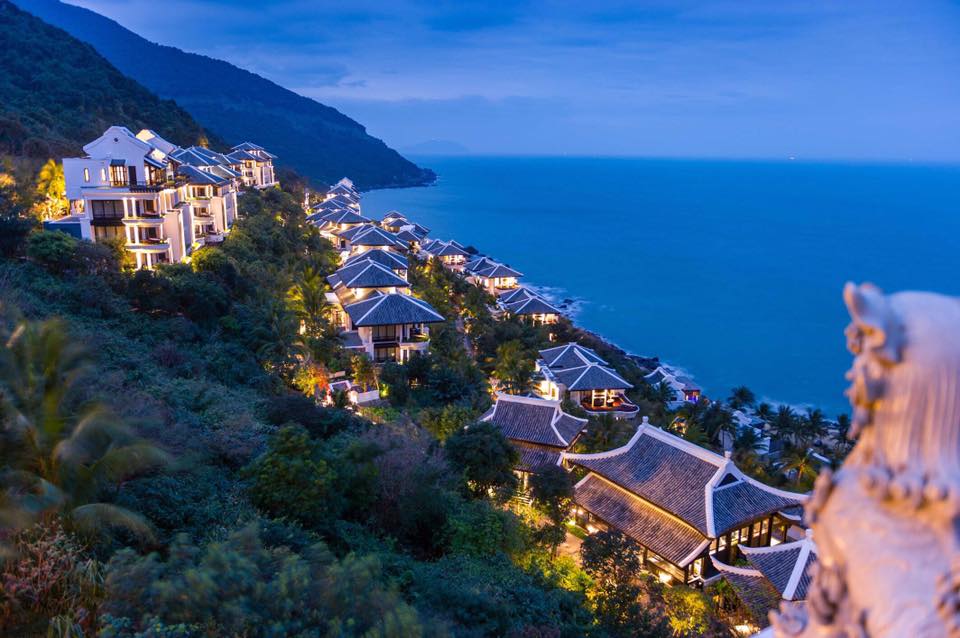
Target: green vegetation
[57,93]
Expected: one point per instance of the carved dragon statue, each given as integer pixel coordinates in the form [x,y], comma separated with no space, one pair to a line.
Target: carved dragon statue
[886,522]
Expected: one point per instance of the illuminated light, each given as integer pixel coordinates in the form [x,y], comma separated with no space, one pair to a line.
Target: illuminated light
[665,578]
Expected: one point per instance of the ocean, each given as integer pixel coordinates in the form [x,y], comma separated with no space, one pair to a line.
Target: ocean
[730,270]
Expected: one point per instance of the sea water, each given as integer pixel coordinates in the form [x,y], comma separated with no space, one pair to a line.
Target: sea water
[730,270]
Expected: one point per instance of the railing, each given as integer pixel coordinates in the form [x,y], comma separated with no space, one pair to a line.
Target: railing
[621,404]
[147,187]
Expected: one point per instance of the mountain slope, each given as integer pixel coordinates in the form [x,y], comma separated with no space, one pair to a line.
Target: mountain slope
[57,93]
[316,140]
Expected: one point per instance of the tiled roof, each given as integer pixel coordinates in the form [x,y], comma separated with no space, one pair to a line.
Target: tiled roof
[449,249]
[200,178]
[345,216]
[392,215]
[518,294]
[532,306]
[682,478]
[741,502]
[754,591]
[370,235]
[407,235]
[366,274]
[383,257]
[537,421]
[497,270]
[591,377]
[786,566]
[533,458]
[571,355]
[661,533]
[480,263]
[351,339]
[242,155]
[391,309]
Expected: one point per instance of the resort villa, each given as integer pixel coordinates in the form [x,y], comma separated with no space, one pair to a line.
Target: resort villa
[163,201]
[451,254]
[366,237]
[538,428]
[492,276]
[578,373]
[521,302]
[396,262]
[256,163]
[389,327]
[683,388]
[777,573]
[682,503]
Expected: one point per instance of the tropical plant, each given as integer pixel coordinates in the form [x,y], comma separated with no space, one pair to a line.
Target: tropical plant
[801,464]
[785,424]
[50,191]
[485,458]
[307,300]
[552,490]
[514,368]
[740,397]
[364,374]
[58,456]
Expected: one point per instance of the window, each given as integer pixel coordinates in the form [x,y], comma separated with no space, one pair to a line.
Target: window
[385,333]
[385,354]
[102,233]
[107,209]
[103,174]
[86,175]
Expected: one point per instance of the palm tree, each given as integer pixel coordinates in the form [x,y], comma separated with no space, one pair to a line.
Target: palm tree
[740,397]
[364,374]
[307,299]
[663,393]
[801,463]
[814,425]
[514,368]
[56,458]
[764,412]
[784,423]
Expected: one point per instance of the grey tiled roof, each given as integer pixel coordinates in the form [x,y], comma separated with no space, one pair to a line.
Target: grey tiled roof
[665,475]
[369,235]
[570,355]
[391,309]
[383,257]
[519,294]
[755,592]
[366,274]
[742,502]
[201,178]
[351,339]
[532,306]
[449,249]
[345,216]
[801,592]
[498,270]
[661,533]
[777,567]
[407,236]
[591,377]
[528,422]
[533,458]
[536,421]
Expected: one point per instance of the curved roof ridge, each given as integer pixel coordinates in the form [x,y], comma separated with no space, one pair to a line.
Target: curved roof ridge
[733,569]
[626,447]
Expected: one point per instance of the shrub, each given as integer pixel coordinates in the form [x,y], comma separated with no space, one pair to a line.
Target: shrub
[52,250]
[477,529]
[485,458]
[48,580]
[290,479]
[241,588]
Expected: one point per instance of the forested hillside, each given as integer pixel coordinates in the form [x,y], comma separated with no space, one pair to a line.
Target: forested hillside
[314,139]
[57,93]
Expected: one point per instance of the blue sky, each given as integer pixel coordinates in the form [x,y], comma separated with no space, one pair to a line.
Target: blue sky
[847,79]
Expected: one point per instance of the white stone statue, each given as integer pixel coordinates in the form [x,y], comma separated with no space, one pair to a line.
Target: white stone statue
[886,523]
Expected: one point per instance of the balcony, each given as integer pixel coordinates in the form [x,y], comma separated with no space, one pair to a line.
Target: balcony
[146,187]
[150,245]
[144,219]
[619,407]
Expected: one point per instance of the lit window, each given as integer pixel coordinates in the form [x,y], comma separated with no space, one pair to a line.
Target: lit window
[103,174]
[86,174]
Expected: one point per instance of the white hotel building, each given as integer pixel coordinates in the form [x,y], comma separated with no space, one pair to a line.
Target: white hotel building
[162,200]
